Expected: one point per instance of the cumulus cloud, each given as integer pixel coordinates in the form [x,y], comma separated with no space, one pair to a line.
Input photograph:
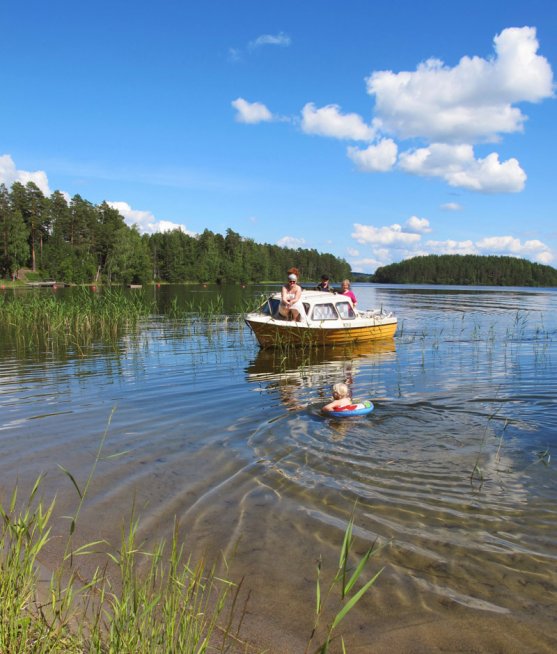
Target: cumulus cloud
[417,225]
[366,264]
[451,206]
[330,121]
[251,112]
[457,165]
[280,39]
[451,246]
[396,242]
[290,242]
[393,235]
[532,249]
[449,109]
[145,221]
[10,174]
[470,102]
[375,158]
[454,108]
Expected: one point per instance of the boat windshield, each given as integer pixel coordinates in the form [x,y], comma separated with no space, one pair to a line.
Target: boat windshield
[324,312]
[271,307]
[346,310]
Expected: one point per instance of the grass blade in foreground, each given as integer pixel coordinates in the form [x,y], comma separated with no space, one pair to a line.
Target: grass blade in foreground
[346,600]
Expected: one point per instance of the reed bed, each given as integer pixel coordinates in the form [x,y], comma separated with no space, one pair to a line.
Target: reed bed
[37,321]
[169,605]
[176,606]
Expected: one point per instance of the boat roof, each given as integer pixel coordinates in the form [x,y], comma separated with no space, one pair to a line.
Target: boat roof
[318,296]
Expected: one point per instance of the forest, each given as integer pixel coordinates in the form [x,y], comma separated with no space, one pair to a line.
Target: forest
[77,242]
[465,270]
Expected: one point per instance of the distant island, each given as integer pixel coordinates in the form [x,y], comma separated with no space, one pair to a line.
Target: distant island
[463,270]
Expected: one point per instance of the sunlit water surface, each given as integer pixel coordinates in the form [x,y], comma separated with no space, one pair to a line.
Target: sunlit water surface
[453,471]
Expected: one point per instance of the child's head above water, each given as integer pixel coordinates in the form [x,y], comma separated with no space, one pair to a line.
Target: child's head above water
[341,390]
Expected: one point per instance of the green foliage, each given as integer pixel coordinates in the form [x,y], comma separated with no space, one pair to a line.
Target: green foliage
[42,322]
[139,600]
[78,242]
[467,269]
[345,581]
[175,606]
[14,234]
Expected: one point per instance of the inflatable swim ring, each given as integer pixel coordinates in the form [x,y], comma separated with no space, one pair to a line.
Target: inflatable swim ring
[360,409]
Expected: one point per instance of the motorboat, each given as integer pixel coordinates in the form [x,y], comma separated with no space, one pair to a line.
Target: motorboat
[327,319]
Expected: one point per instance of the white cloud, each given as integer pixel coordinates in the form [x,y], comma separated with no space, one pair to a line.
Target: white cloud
[451,206]
[417,225]
[251,112]
[364,265]
[545,257]
[450,247]
[509,245]
[10,174]
[234,55]
[329,121]
[451,109]
[393,243]
[457,165]
[352,252]
[469,103]
[145,221]
[393,235]
[290,242]
[375,158]
[280,39]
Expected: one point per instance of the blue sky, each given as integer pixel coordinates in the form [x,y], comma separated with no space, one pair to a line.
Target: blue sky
[373,130]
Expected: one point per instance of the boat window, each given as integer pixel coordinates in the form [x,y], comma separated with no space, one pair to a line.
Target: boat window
[324,312]
[270,308]
[346,311]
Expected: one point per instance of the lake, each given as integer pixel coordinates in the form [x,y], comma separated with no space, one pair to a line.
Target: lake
[453,472]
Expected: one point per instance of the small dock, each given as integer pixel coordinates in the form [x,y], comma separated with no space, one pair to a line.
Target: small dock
[41,284]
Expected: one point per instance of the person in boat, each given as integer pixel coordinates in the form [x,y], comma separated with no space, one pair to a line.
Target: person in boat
[291,306]
[341,398]
[324,284]
[346,291]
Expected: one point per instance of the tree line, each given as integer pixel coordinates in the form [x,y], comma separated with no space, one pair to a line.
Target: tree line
[79,242]
[468,269]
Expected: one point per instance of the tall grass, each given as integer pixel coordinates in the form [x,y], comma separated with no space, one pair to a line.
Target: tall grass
[137,601]
[46,322]
[172,606]
[175,606]
[347,583]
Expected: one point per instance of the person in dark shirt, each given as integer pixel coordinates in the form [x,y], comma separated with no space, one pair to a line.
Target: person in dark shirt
[324,284]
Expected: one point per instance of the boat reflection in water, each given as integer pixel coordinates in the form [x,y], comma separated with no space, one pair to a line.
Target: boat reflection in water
[301,374]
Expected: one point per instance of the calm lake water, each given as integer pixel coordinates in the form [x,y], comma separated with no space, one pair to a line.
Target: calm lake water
[453,472]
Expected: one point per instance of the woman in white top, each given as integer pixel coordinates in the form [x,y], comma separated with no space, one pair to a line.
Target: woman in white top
[291,306]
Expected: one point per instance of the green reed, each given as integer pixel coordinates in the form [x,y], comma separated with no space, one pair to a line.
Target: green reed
[175,606]
[344,582]
[41,321]
[171,604]
[137,601]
